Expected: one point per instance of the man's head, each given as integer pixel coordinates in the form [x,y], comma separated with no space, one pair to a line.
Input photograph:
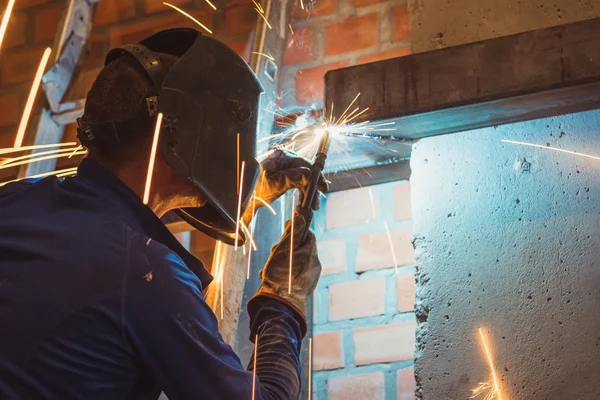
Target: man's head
[209,99]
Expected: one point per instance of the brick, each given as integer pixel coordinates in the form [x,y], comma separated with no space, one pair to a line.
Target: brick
[327,351]
[46,23]
[20,66]
[402,204]
[299,48]
[385,343]
[314,8]
[135,32]
[354,34]
[400,52]
[10,106]
[362,3]
[400,23]
[113,11]
[356,299]
[405,291]
[357,387]
[240,18]
[15,34]
[352,207]
[374,250]
[310,84]
[153,6]
[405,384]
[332,254]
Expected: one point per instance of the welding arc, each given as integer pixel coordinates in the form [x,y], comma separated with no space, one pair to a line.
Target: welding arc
[317,168]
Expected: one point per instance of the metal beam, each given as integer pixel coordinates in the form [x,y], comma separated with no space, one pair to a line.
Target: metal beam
[515,78]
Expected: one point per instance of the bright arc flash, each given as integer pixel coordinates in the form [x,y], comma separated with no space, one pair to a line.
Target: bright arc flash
[552,148]
[291,246]
[9,150]
[239,210]
[254,370]
[152,158]
[187,15]
[491,364]
[387,230]
[5,19]
[31,98]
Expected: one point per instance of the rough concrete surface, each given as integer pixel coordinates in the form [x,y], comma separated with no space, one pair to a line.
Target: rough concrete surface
[508,237]
[441,23]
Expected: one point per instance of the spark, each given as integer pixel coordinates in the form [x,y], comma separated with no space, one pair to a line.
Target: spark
[9,150]
[216,261]
[5,19]
[347,108]
[331,114]
[187,15]
[211,4]
[496,386]
[258,7]
[237,223]
[34,155]
[238,164]
[222,297]
[75,151]
[264,18]
[152,157]
[270,57]
[553,148]
[309,368]
[148,277]
[31,98]
[31,159]
[270,137]
[247,231]
[372,204]
[58,173]
[254,370]
[291,246]
[387,230]
[282,210]
[148,242]
[291,30]
[266,205]
[302,4]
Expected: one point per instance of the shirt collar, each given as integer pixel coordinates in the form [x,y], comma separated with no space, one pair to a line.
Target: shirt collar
[150,224]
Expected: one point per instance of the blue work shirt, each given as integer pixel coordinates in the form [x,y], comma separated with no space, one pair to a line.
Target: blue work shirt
[91,308]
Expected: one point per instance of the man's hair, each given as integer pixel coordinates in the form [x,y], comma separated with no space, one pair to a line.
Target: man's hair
[117,95]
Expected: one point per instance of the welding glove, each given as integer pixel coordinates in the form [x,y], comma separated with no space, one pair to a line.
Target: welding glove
[305,267]
[281,171]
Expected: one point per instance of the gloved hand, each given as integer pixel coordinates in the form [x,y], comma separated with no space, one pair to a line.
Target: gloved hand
[281,171]
[306,270]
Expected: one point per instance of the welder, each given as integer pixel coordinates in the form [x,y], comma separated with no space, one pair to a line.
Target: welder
[98,300]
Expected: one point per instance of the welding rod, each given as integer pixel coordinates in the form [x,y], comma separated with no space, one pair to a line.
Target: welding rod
[311,192]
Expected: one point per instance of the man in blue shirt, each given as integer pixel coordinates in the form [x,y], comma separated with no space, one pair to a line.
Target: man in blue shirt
[97,299]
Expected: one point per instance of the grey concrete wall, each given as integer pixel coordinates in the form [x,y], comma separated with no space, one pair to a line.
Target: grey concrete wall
[442,23]
[508,237]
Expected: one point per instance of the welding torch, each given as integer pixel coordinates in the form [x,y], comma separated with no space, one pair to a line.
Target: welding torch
[317,168]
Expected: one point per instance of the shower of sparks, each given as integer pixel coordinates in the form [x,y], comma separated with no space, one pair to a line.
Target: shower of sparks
[31,159]
[59,173]
[291,246]
[258,7]
[254,370]
[309,368]
[387,231]
[553,149]
[9,150]
[152,158]
[211,4]
[491,390]
[266,205]
[291,30]
[239,210]
[270,57]
[5,19]
[31,98]
[187,15]
[372,204]
[75,151]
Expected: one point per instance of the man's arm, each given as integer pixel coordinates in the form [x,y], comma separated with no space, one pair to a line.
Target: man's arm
[175,334]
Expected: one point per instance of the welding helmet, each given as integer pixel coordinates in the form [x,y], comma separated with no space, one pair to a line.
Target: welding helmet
[209,100]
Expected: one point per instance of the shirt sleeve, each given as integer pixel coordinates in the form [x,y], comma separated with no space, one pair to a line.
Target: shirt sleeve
[174,333]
